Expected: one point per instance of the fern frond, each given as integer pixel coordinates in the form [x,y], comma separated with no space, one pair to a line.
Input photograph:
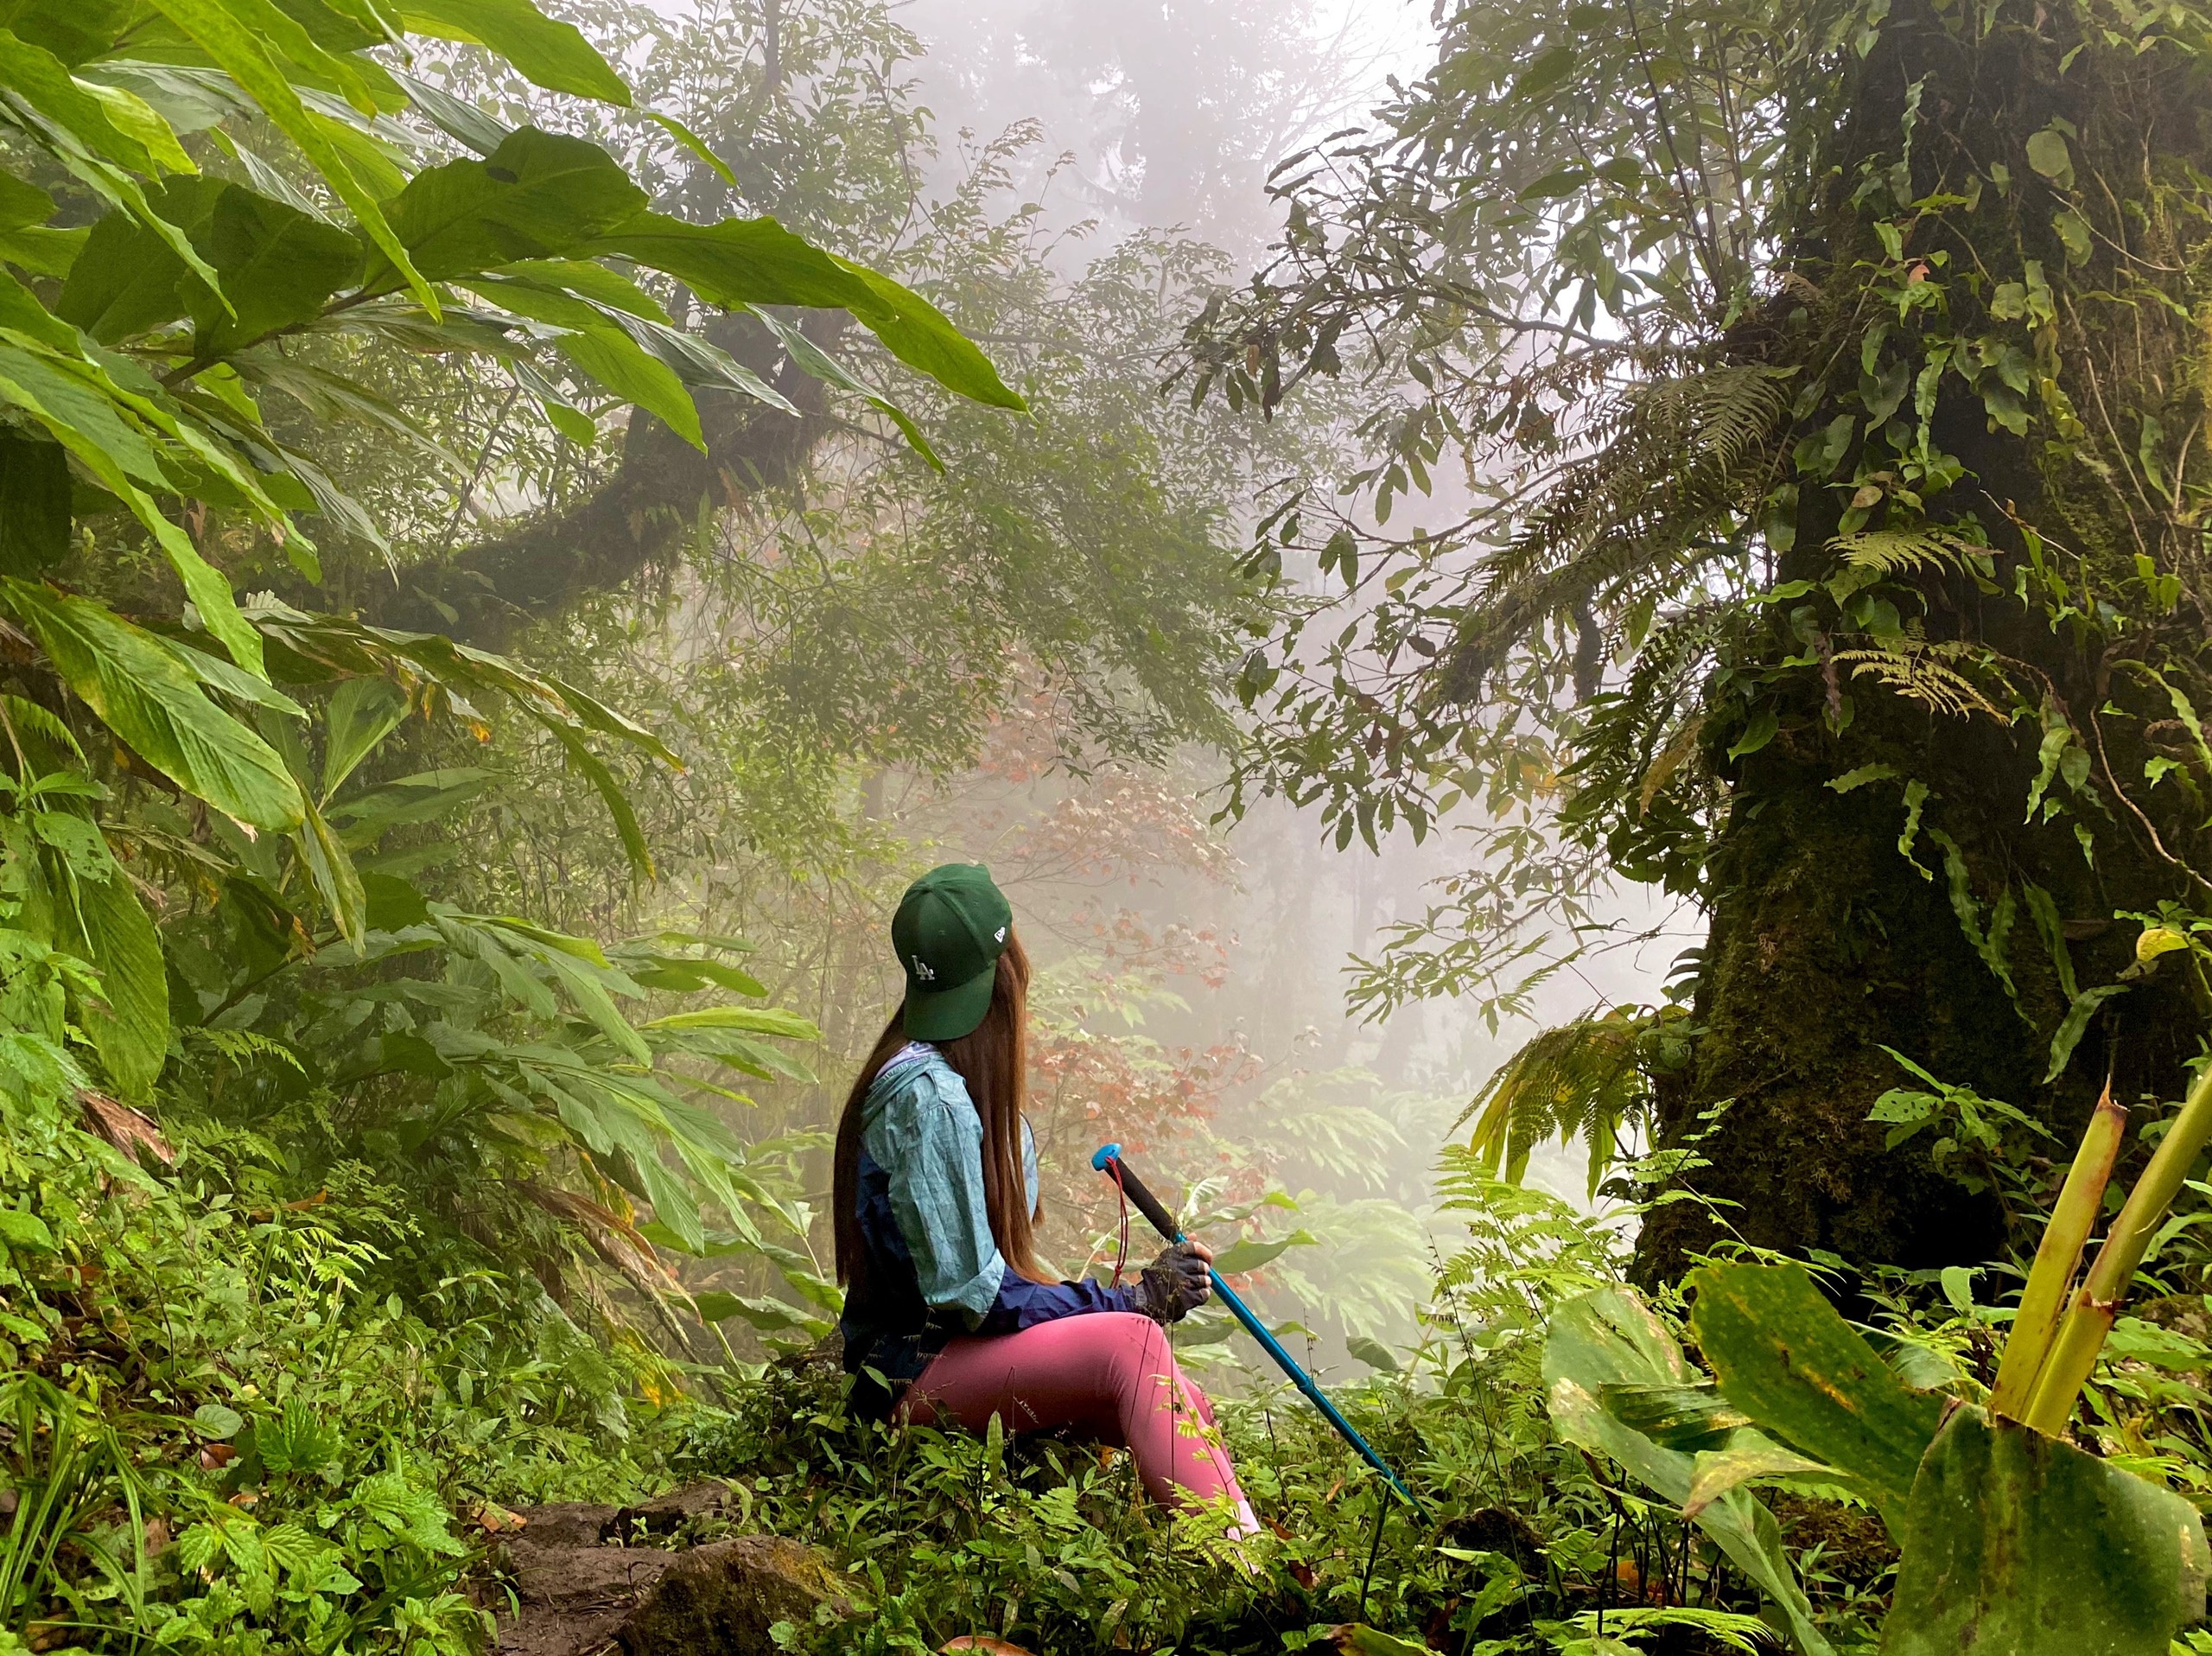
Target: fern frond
[239,1045]
[1929,546]
[1920,671]
[1676,465]
[1585,1079]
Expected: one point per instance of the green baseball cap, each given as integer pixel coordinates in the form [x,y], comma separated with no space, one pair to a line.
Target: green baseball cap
[950,931]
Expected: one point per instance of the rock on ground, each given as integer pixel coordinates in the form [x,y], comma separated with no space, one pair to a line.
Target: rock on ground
[720,1599]
[575,1600]
[580,1597]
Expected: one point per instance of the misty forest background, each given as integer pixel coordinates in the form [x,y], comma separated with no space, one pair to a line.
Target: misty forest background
[1577,630]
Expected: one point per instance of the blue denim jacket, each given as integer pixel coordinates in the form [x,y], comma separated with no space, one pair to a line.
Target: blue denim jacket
[933,1269]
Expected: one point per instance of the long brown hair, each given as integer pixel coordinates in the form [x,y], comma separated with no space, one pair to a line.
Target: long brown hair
[993,1060]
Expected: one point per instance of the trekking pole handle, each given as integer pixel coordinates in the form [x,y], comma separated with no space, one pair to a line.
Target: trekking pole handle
[1106,1161]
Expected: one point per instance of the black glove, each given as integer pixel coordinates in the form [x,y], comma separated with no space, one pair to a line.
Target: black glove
[1174,1285]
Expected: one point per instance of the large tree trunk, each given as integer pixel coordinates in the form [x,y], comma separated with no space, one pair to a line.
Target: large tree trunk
[1828,943]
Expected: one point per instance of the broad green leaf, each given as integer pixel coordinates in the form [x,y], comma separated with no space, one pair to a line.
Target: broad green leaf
[579,948]
[1373,1352]
[569,421]
[219,33]
[2020,1545]
[2047,154]
[589,990]
[336,880]
[741,262]
[126,282]
[22,204]
[1690,1417]
[741,1053]
[811,359]
[463,123]
[130,1031]
[84,137]
[73,30]
[128,113]
[538,196]
[393,904]
[1785,1356]
[683,973]
[736,262]
[519,984]
[921,336]
[361,714]
[278,267]
[106,427]
[1607,1338]
[33,503]
[26,1231]
[342,26]
[190,98]
[554,55]
[217,1422]
[606,351]
[596,283]
[1757,732]
[2157,940]
[41,78]
[43,251]
[394,805]
[134,682]
[598,301]
[2073,233]
[1357,1639]
[716,1304]
[314,65]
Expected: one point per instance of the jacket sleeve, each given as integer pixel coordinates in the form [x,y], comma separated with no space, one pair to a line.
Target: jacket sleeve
[1023,1304]
[933,1138]
[932,1158]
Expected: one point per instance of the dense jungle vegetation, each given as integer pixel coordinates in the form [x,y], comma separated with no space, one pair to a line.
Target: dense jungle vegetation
[520,531]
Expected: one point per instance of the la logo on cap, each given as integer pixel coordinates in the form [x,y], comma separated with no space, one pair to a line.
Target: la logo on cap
[922,970]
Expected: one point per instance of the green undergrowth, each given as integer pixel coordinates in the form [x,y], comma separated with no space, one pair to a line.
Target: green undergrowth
[234,1424]
[240,1428]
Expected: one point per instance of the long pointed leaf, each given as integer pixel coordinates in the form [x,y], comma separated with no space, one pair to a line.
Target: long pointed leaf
[149,700]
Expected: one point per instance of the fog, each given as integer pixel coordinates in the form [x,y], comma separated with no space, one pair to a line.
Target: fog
[1166,116]
[1232,958]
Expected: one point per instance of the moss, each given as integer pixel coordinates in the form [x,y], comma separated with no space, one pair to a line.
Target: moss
[1826,944]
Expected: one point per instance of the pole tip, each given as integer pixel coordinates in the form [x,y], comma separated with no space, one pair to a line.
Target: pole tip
[1106,1153]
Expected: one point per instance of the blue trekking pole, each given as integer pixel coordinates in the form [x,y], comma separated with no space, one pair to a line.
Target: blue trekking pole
[1109,1160]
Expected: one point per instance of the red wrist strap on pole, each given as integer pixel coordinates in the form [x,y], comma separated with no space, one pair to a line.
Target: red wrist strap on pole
[1122,1253]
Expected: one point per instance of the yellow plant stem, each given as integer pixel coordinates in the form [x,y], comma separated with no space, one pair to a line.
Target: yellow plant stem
[2058,1257]
[2090,1319]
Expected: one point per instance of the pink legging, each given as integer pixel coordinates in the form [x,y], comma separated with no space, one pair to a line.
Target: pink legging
[1109,1375]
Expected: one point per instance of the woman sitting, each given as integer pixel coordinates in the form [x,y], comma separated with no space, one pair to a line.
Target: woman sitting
[948,1316]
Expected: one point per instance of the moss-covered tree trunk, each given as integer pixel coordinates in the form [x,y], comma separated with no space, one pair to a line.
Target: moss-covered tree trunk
[1844,921]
